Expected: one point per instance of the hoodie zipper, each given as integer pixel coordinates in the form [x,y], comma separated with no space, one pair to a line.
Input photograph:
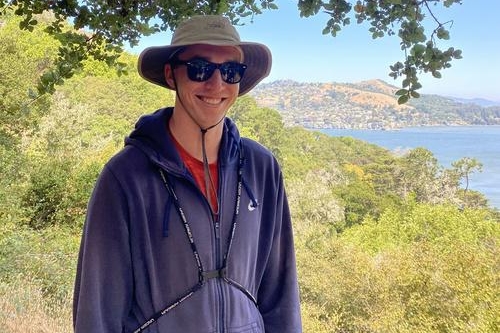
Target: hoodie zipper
[217,252]
[218,282]
[218,257]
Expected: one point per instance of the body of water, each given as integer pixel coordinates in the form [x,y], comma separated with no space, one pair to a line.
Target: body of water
[448,144]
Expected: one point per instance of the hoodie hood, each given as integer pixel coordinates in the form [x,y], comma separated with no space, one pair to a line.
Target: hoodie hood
[151,137]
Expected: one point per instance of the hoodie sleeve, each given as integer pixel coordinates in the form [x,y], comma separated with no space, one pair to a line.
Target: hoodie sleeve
[278,296]
[103,287]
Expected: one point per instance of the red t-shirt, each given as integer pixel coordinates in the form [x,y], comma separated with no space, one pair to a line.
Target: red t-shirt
[195,166]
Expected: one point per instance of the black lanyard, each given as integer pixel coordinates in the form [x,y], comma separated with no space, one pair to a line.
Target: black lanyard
[203,276]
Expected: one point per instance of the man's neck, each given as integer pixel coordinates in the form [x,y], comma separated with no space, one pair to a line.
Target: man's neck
[188,134]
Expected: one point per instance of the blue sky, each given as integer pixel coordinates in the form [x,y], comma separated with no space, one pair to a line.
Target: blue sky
[302,53]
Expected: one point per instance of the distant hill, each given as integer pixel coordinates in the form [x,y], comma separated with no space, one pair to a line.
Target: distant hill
[477,101]
[366,105]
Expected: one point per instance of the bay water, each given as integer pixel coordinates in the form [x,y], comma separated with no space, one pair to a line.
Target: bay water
[448,144]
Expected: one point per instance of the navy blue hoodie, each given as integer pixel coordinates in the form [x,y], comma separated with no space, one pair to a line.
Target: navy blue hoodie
[153,256]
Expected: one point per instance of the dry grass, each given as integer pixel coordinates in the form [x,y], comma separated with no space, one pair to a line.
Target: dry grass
[23,309]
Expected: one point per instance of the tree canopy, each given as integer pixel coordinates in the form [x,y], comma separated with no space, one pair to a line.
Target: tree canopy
[100,29]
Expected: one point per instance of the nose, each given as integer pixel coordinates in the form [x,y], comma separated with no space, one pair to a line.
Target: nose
[215,80]
[216,77]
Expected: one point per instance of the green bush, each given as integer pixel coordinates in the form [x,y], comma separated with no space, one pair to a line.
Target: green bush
[440,225]
[73,206]
[45,192]
[12,179]
[426,269]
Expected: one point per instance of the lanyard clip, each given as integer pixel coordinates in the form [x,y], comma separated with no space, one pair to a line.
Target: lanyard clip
[218,273]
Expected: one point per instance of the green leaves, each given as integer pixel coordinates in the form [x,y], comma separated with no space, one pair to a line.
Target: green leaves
[309,7]
[417,268]
[401,92]
[337,9]
[404,18]
[106,23]
[101,28]
[442,33]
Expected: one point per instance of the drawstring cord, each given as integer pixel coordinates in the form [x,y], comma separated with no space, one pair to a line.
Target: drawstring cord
[254,203]
[209,183]
[206,169]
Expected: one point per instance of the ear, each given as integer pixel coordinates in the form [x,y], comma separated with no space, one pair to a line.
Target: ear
[169,75]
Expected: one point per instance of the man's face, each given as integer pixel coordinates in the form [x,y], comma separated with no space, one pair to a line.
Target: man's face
[208,101]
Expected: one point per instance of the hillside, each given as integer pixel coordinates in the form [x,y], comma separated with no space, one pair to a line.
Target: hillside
[366,105]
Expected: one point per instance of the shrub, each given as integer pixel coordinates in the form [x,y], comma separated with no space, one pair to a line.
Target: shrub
[45,192]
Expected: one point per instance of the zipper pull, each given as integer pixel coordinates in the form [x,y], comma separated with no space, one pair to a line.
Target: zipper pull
[217,230]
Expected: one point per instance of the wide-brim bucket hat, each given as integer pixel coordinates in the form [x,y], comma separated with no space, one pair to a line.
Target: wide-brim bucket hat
[212,30]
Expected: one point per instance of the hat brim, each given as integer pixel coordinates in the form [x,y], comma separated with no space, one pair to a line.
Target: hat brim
[256,56]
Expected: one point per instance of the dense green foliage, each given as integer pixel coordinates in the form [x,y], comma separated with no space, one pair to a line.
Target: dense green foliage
[384,243]
[110,24]
[427,268]
[22,63]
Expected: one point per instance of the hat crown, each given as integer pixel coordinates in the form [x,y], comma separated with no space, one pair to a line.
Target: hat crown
[207,29]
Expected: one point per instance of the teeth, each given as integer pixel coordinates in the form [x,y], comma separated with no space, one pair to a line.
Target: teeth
[211,100]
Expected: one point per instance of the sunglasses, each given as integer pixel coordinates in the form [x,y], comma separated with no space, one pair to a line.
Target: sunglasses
[201,70]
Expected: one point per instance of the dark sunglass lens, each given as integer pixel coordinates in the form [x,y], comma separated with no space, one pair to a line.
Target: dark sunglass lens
[232,72]
[200,70]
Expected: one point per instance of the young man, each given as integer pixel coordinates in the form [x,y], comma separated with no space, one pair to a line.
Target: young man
[188,228]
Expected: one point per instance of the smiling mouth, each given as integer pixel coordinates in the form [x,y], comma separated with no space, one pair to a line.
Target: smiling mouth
[211,101]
